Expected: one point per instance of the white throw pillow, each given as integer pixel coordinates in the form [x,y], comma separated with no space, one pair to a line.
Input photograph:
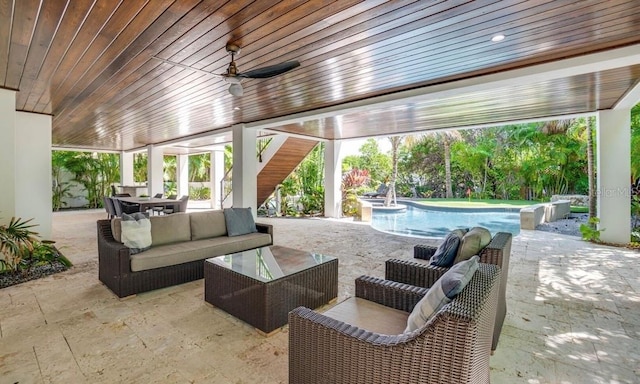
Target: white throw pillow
[136,232]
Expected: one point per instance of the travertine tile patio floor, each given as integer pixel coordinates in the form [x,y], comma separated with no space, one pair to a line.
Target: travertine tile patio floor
[573,317]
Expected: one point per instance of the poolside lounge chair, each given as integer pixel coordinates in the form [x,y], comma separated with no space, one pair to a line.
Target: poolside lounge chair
[381,191]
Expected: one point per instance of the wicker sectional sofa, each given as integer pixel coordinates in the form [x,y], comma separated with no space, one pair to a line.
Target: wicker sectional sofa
[180,243]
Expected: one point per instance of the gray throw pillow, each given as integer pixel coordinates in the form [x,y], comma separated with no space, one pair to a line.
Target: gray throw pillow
[446,252]
[239,221]
[448,286]
[136,232]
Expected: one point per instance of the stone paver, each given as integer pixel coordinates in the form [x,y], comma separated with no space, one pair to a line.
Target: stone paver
[573,314]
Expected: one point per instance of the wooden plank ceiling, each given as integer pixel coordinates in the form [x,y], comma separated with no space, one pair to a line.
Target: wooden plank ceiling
[90,63]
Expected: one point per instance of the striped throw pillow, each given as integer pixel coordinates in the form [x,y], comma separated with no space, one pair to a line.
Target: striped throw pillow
[442,292]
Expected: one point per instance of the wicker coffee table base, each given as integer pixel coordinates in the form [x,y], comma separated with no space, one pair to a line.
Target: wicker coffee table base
[266,305]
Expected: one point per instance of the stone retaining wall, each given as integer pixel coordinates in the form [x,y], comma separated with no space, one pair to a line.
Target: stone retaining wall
[534,215]
[576,200]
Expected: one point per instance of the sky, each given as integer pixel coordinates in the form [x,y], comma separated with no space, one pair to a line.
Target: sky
[352,147]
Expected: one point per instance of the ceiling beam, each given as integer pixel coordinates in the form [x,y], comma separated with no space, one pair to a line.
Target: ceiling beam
[630,99]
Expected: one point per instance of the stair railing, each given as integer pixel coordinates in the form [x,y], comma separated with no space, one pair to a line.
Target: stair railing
[225,183]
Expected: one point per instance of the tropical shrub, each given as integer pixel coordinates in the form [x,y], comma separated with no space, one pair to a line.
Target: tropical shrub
[199,193]
[303,190]
[60,191]
[16,242]
[43,253]
[351,181]
[95,172]
[170,188]
[590,231]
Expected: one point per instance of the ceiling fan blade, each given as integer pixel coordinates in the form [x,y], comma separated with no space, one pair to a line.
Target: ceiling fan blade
[270,71]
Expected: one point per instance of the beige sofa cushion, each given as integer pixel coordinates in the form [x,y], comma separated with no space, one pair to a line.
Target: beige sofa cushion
[371,316]
[472,243]
[207,224]
[173,254]
[169,229]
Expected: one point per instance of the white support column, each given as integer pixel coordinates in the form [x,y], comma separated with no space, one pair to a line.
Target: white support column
[332,179]
[245,180]
[613,174]
[182,162]
[33,171]
[217,173]
[155,170]
[126,168]
[8,155]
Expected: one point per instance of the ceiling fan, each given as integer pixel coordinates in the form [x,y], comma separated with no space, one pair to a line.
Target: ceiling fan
[233,77]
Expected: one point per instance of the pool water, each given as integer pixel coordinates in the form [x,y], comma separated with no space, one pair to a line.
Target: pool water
[427,222]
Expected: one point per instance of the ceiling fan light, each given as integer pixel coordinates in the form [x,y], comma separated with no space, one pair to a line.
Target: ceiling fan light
[236,90]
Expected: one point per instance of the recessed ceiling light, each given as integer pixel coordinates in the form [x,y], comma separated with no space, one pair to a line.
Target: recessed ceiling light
[497,38]
[236,108]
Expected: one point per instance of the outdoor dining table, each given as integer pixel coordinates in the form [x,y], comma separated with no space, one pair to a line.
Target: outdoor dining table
[146,203]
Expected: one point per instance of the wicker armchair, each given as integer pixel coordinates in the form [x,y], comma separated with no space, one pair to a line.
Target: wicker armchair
[453,347]
[418,272]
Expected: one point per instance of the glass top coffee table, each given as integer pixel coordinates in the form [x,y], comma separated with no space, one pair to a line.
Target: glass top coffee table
[261,286]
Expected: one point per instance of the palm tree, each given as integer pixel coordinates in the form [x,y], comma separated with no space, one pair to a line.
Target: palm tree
[591,169]
[448,137]
[199,166]
[554,127]
[16,240]
[396,141]
[139,167]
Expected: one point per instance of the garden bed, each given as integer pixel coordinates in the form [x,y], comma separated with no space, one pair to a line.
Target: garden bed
[56,263]
[8,279]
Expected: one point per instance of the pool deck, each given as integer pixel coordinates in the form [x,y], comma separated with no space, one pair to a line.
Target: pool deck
[573,314]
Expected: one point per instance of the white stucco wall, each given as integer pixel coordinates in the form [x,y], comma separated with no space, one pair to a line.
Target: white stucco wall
[7,155]
[78,193]
[33,170]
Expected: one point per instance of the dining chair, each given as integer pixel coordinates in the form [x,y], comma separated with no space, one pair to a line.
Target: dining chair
[180,207]
[109,207]
[159,208]
[121,208]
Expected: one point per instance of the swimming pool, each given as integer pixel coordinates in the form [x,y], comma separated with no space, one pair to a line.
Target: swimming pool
[437,222]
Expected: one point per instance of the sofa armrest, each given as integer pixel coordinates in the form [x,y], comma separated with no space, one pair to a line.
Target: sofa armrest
[389,293]
[316,342]
[109,247]
[412,272]
[113,257]
[498,250]
[265,228]
[424,252]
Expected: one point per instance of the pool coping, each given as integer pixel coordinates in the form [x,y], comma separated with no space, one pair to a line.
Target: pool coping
[455,209]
